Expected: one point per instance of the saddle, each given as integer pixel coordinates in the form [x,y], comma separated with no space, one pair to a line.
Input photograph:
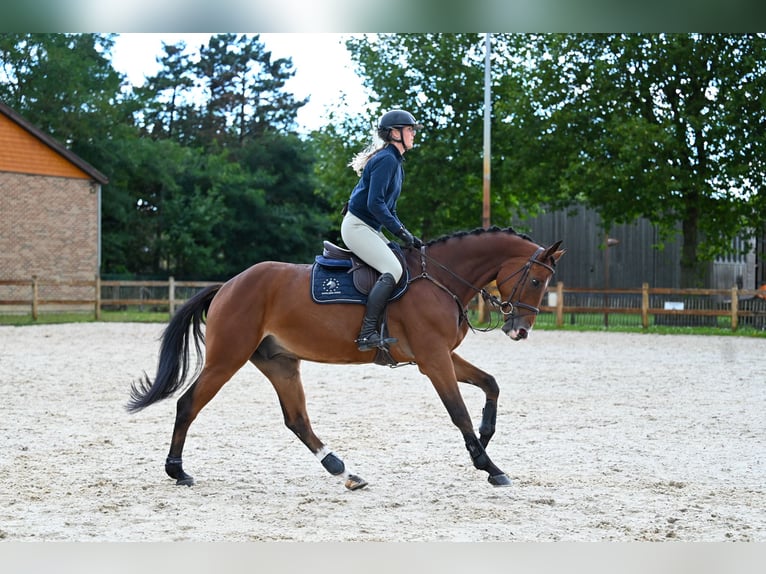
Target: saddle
[339,276]
[363,276]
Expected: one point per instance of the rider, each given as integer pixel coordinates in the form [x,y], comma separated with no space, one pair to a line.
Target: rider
[372,207]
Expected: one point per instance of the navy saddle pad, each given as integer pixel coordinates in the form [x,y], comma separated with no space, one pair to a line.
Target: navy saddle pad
[332,281]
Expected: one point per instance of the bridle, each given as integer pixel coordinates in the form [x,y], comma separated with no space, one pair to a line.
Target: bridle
[507,308]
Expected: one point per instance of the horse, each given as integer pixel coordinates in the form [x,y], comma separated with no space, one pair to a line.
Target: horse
[265,315]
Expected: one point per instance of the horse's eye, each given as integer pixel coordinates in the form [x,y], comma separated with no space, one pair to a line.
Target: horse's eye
[535,282]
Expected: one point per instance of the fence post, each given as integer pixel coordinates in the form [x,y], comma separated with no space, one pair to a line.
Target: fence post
[171,296]
[734,307]
[645,305]
[34,297]
[560,304]
[98,297]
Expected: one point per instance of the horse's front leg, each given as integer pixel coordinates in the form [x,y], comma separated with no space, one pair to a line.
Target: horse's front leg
[443,377]
[465,372]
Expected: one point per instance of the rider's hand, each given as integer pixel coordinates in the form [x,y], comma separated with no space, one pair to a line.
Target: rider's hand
[408,239]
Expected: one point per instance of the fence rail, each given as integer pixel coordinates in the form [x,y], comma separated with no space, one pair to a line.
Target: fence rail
[727,308]
[658,306]
[36,295]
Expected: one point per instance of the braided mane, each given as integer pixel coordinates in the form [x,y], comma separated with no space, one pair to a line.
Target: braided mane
[479,231]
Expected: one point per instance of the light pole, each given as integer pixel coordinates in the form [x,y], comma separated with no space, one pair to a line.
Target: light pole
[486,179]
[485,219]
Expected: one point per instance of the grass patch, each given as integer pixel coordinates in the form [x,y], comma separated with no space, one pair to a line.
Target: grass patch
[106,317]
[546,321]
[589,322]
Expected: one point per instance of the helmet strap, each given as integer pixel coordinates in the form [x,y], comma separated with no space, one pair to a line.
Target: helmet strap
[400,129]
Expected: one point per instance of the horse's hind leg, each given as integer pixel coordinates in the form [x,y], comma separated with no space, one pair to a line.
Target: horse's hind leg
[284,373]
[188,407]
[468,373]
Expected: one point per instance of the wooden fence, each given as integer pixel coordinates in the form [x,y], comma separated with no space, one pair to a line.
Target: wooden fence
[680,307]
[96,295]
[561,306]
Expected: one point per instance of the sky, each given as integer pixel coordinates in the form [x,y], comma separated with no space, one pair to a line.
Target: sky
[323,67]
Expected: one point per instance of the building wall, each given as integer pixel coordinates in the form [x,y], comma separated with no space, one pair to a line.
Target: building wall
[48,227]
[49,215]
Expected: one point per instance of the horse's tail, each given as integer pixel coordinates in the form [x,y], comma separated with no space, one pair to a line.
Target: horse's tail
[173,365]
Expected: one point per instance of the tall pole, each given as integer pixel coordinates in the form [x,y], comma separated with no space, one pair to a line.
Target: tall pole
[487,115]
[485,213]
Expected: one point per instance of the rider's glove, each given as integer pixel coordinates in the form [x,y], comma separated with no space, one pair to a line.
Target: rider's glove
[408,239]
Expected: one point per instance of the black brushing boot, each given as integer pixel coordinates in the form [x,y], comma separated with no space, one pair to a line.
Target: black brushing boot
[369,338]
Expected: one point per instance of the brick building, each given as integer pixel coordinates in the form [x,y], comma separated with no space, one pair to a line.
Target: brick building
[50,203]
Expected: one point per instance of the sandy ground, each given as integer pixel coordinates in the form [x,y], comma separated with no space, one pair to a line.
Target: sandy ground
[606,436]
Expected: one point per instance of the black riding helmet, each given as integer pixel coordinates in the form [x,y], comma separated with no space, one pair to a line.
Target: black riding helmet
[396,119]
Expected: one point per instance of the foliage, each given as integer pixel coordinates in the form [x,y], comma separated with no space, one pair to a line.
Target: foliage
[206,173]
[64,84]
[439,77]
[283,218]
[333,146]
[232,93]
[663,126]
[668,127]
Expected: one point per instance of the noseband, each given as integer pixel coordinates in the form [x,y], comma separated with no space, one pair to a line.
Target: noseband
[508,307]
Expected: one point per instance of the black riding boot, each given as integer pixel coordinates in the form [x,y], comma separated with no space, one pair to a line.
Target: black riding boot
[369,337]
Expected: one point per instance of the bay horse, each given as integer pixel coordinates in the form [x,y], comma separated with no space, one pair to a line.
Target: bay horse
[266,315]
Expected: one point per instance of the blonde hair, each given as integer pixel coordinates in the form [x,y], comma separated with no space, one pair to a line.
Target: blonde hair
[378,142]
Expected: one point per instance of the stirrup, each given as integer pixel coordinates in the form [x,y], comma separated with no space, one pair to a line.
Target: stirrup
[374,341]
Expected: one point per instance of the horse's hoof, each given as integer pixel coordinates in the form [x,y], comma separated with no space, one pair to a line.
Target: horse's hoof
[500,480]
[354,482]
[174,469]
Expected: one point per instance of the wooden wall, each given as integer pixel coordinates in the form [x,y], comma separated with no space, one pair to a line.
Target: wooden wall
[20,152]
[636,259]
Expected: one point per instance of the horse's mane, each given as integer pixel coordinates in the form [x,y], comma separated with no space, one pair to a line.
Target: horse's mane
[479,231]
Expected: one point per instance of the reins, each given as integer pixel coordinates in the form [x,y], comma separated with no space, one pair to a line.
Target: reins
[506,308]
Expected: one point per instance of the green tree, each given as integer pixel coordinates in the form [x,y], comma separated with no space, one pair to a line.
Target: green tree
[202,182]
[275,214]
[65,85]
[232,103]
[162,210]
[168,101]
[245,90]
[663,126]
[333,146]
[440,78]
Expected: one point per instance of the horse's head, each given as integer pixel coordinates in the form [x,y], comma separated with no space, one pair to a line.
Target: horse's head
[522,288]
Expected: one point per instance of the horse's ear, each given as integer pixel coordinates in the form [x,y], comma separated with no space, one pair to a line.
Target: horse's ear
[554,251]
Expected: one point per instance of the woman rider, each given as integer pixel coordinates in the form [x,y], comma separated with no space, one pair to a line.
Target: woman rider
[371,208]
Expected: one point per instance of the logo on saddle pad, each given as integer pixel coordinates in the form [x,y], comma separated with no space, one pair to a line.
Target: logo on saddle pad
[330,287]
